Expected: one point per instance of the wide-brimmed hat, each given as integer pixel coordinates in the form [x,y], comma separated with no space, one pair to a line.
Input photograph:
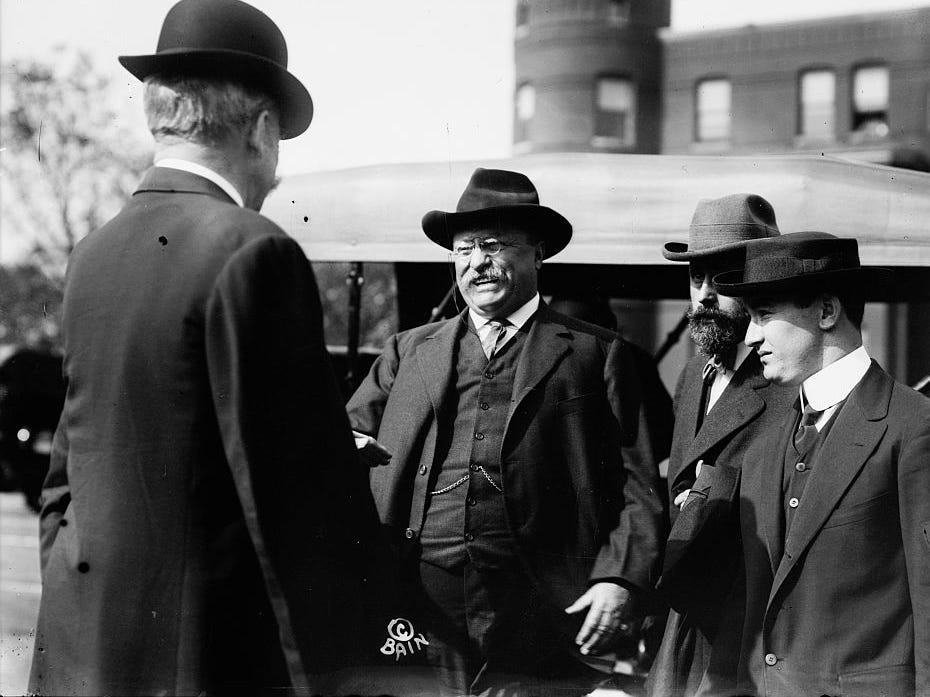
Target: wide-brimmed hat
[231,39]
[496,198]
[722,225]
[799,261]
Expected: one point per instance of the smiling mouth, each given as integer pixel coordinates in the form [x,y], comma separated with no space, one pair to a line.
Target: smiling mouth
[485,281]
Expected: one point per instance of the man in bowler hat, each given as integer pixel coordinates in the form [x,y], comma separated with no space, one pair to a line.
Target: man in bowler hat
[834,509]
[722,403]
[205,503]
[521,489]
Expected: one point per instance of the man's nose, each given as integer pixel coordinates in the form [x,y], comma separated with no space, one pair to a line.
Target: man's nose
[753,335]
[479,258]
[707,294]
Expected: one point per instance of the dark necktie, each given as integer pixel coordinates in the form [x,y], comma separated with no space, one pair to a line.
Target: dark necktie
[709,374]
[495,337]
[807,432]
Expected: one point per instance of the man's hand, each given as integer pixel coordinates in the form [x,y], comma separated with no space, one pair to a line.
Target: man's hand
[370,451]
[610,612]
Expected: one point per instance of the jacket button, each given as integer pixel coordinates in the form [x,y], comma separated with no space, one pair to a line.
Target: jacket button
[488,374]
[485,406]
[800,467]
[770,659]
[63,522]
[479,436]
[410,533]
[473,467]
[423,469]
[793,502]
[471,501]
[83,567]
[469,537]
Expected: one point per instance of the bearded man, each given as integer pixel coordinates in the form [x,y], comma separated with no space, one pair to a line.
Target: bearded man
[722,402]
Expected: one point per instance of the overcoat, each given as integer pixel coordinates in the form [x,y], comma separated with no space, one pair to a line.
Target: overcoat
[841,605]
[204,493]
[579,480]
[703,556]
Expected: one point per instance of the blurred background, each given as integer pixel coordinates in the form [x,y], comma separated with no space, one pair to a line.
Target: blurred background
[546,82]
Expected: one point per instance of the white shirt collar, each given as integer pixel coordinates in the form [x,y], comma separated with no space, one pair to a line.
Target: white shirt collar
[206,173]
[831,385]
[518,318]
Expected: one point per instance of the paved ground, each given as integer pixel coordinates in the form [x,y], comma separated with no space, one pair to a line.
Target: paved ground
[19,591]
[19,600]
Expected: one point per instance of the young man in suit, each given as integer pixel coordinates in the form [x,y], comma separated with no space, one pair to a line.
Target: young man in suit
[203,475]
[722,403]
[521,488]
[834,504]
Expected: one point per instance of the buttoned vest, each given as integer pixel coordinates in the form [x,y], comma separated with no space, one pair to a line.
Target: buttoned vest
[465,518]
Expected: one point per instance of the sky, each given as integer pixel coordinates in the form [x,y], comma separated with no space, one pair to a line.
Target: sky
[402,81]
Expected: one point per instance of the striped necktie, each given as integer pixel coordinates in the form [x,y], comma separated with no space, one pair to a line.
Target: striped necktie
[807,431]
[495,337]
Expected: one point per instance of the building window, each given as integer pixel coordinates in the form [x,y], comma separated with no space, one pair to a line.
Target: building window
[713,110]
[525,110]
[523,18]
[818,102]
[870,100]
[615,120]
[618,12]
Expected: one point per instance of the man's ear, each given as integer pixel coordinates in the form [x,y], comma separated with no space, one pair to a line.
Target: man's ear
[830,310]
[263,131]
[540,253]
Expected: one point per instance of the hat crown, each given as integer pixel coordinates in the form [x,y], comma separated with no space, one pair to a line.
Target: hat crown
[221,25]
[734,218]
[489,188]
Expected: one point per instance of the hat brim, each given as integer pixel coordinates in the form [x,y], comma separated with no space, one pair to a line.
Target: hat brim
[289,93]
[731,283]
[551,227]
[678,251]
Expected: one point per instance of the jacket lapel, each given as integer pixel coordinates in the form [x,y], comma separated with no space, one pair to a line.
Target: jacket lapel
[435,358]
[545,345]
[738,404]
[771,465]
[858,430]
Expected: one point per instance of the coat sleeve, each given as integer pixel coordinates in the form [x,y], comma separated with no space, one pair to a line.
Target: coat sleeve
[633,550]
[304,496]
[914,511]
[56,492]
[366,406]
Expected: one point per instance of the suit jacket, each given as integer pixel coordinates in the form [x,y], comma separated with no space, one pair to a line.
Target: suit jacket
[204,489]
[841,606]
[580,483]
[703,554]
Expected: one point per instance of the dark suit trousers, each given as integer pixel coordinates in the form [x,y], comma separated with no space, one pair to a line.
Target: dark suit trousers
[489,635]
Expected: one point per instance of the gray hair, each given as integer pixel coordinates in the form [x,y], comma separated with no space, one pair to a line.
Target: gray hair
[199,109]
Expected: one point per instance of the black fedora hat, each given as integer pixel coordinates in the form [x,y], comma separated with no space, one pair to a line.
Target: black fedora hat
[232,39]
[722,225]
[799,261]
[496,198]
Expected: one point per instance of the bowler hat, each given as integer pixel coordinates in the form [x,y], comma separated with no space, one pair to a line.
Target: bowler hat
[496,198]
[234,40]
[721,225]
[800,261]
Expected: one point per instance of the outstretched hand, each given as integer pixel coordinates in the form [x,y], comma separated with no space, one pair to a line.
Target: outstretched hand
[610,613]
[370,451]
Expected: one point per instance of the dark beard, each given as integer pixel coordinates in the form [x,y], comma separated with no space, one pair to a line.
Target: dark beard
[717,331]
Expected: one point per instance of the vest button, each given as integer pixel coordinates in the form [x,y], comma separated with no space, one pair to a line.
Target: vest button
[410,533]
[63,522]
[800,467]
[469,537]
[471,501]
[473,467]
[485,406]
[423,469]
[479,436]
[83,567]
[488,374]
[793,502]
[771,659]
